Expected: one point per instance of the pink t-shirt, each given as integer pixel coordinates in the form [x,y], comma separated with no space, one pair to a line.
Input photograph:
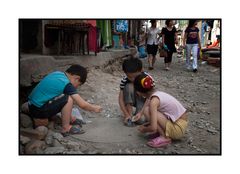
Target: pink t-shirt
[169,106]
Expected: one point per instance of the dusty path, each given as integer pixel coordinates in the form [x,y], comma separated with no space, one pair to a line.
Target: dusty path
[199,93]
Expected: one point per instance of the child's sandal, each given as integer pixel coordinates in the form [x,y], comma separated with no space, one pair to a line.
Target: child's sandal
[73,130]
[77,122]
[159,142]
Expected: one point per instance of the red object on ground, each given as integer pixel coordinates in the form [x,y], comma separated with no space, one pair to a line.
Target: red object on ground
[215,44]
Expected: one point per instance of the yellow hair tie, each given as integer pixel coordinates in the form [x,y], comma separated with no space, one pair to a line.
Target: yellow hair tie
[147,82]
[142,82]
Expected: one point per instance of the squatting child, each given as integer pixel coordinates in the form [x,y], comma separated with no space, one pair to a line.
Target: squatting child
[56,93]
[128,99]
[166,115]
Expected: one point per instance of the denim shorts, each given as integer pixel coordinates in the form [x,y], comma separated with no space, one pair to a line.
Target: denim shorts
[51,108]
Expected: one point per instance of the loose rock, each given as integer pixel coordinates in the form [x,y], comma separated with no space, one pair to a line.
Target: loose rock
[26,121]
[35,147]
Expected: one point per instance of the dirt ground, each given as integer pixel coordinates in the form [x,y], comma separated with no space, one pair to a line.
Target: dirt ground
[199,92]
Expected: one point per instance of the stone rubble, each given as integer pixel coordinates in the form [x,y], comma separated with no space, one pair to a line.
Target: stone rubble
[197,92]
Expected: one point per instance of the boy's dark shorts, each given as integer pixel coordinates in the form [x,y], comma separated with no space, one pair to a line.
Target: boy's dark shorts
[50,109]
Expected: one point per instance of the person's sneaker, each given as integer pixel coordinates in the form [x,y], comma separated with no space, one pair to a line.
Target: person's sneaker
[195,70]
[167,68]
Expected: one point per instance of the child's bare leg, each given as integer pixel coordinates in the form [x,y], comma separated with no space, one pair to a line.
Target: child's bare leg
[147,113]
[66,114]
[129,108]
[73,118]
[150,60]
[153,60]
[162,121]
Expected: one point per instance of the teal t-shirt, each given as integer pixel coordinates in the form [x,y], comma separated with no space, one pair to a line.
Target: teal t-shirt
[49,87]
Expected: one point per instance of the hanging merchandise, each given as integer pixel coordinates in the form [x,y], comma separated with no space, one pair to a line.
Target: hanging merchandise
[106,33]
[93,39]
[122,26]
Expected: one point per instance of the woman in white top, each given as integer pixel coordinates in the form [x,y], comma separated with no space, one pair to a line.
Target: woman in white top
[152,43]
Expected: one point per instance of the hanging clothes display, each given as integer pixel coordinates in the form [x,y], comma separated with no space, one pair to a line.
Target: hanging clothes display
[92,22]
[93,36]
[106,33]
[215,30]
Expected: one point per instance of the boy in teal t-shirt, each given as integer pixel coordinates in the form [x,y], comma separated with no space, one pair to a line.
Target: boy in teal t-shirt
[56,93]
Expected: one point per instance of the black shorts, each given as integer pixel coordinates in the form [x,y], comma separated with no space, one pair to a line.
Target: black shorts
[51,108]
[152,49]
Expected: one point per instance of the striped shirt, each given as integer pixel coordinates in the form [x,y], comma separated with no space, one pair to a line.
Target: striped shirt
[125,81]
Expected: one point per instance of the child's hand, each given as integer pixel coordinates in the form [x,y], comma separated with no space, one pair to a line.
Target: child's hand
[97,108]
[146,124]
[126,119]
[137,117]
[141,128]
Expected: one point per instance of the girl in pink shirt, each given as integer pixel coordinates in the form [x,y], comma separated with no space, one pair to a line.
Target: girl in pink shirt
[166,115]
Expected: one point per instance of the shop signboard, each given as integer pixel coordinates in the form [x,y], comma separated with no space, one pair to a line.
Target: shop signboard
[122,26]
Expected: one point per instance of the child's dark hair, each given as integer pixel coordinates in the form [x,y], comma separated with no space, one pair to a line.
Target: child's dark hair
[143,83]
[191,22]
[167,22]
[78,70]
[132,65]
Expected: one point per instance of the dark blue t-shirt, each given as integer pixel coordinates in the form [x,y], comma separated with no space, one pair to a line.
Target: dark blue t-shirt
[192,35]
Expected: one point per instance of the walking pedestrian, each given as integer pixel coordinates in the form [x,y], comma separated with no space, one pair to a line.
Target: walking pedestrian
[192,43]
[169,39]
[152,43]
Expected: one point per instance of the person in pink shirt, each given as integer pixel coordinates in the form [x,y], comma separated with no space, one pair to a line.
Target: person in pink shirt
[166,116]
